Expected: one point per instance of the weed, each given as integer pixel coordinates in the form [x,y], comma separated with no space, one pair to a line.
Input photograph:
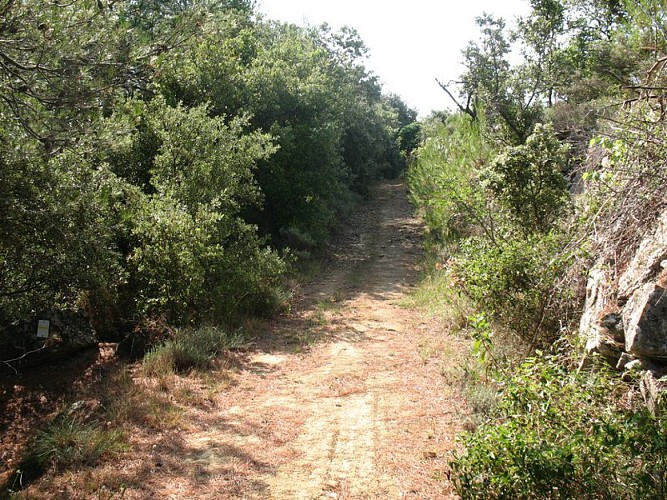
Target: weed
[426,351]
[159,362]
[559,434]
[438,297]
[68,443]
[188,349]
[306,337]
[318,317]
[160,413]
[482,399]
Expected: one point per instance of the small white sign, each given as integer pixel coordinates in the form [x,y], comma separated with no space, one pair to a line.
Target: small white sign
[43,327]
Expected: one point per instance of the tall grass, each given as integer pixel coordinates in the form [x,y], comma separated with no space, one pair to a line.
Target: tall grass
[68,443]
[191,348]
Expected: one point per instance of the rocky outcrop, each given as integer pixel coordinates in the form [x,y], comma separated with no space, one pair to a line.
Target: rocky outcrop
[625,314]
[645,322]
[67,332]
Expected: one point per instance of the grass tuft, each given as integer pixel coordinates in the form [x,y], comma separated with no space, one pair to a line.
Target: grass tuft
[189,349]
[67,443]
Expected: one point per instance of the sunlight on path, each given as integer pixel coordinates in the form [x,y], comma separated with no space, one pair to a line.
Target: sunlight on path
[336,401]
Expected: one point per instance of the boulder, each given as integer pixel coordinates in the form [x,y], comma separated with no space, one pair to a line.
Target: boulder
[645,322]
[626,303]
[624,361]
[67,332]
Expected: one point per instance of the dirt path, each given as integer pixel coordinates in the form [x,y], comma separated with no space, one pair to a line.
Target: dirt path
[343,398]
[360,413]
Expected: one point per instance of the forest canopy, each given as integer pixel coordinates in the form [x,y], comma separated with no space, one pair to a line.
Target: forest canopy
[160,157]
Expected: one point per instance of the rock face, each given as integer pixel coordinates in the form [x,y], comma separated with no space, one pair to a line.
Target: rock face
[625,315]
[595,324]
[645,322]
[629,309]
[68,332]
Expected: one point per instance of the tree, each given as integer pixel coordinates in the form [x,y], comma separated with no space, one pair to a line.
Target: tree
[541,34]
[147,144]
[406,115]
[62,66]
[528,180]
[509,97]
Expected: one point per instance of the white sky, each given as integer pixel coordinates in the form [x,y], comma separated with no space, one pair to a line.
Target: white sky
[411,43]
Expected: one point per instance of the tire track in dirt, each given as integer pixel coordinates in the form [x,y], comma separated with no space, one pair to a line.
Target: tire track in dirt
[342,398]
[335,400]
[338,441]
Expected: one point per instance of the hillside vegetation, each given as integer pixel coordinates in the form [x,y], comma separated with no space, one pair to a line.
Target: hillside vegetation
[544,167]
[165,163]
[159,157]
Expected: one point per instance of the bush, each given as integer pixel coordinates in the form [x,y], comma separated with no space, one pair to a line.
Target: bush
[511,280]
[444,180]
[188,349]
[55,236]
[68,443]
[193,257]
[528,180]
[562,434]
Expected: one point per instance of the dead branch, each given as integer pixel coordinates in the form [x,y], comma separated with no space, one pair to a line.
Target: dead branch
[467,109]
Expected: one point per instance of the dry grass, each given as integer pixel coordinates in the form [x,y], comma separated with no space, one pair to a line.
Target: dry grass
[342,385]
[423,434]
[352,380]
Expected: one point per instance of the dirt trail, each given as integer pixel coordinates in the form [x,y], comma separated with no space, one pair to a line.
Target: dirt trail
[343,398]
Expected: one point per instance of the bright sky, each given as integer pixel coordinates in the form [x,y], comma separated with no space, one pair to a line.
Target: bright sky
[411,43]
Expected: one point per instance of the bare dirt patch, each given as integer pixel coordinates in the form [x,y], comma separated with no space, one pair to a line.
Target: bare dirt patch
[342,398]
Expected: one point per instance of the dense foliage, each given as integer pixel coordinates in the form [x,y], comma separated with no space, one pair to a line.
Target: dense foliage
[158,155]
[555,434]
[538,157]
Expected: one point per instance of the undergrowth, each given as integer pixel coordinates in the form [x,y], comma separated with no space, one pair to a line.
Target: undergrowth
[189,349]
[67,443]
[559,433]
[516,253]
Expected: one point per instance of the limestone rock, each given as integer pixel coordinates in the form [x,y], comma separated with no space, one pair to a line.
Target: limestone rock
[598,298]
[600,343]
[613,323]
[645,320]
[646,264]
[624,361]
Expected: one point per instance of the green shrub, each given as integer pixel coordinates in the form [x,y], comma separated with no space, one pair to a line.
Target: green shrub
[67,443]
[511,281]
[444,180]
[159,361]
[528,180]
[563,434]
[193,257]
[188,349]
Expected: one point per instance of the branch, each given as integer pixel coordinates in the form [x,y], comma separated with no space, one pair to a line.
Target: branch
[644,87]
[655,67]
[35,67]
[9,362]
[467,109]
[616,77]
